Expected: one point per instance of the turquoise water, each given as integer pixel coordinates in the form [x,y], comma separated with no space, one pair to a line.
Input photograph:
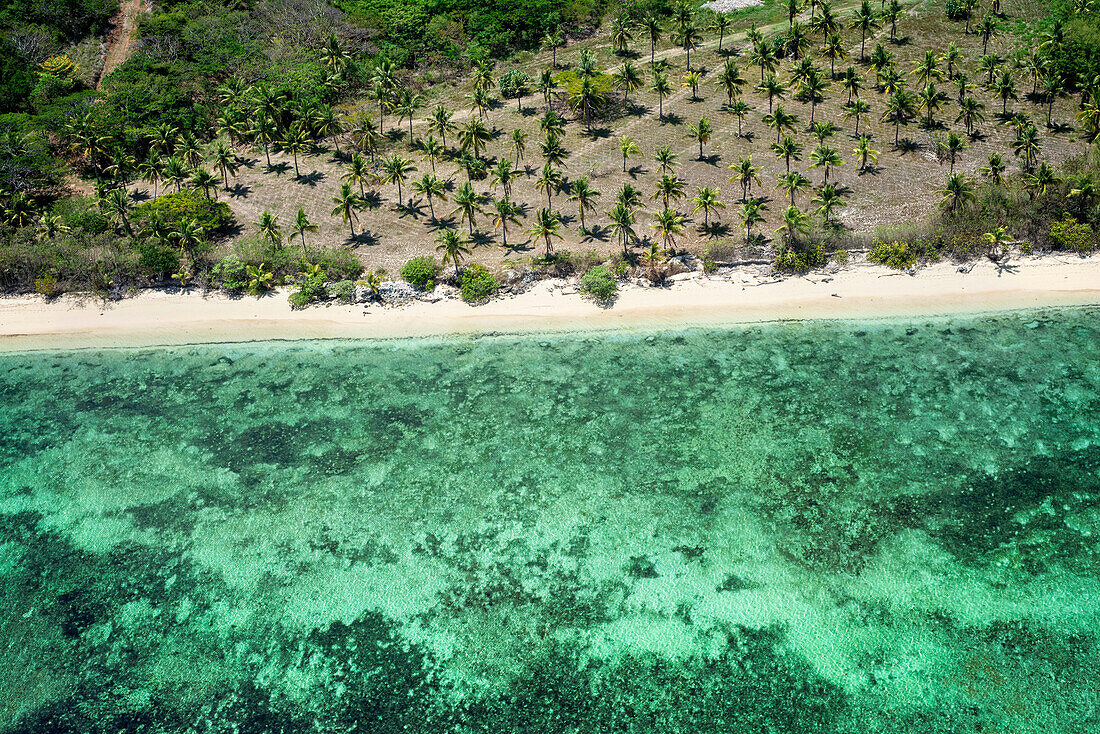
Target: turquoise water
[815,527]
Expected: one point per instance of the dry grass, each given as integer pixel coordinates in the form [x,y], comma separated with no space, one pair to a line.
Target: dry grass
[902,188]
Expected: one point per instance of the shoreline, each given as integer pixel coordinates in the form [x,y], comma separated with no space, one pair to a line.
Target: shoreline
[158,318]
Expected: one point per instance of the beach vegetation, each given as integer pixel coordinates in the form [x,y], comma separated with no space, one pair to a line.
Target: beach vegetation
[1069,234]
[895,254]
[421,272]
[793,259]
[476,283]
[599,284]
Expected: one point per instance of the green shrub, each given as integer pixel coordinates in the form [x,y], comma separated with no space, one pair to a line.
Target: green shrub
[897,255]
[231,273]
[799,261]
[339,263]
[421,272]
[955,10]
[186,205]
[476,283]
[343,290]
[158,258]
[598,284]
[310,289]
[1071,235]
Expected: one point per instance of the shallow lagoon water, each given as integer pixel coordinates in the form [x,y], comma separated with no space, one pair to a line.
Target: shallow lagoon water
[814,527]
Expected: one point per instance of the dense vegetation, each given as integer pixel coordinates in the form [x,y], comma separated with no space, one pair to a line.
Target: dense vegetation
[209,82]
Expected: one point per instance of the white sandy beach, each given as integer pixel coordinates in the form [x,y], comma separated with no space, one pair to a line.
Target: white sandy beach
[161,318]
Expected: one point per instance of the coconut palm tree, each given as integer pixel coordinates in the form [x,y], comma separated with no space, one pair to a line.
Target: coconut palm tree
[669,224]
[622,221]
[998,240]
[546,225]
[891,14]
[970,114]
[552,123]
[1028,145]
[763,55]
[930,100]
[825,156]
[692,79]
[117,206]
[628,147]
[1041,180]
[226,161]
[781,120]
[787,150]
[505,212]
[473,137]
[585,195]
[204,181]
[431,187]
[828,200]
[188,234]
[739,108]
[750,215]
[301,226]
[773,89]
[453,248]
[151,169]
[502,175]
[296,140]
[431,148]
[662,88]
[706,200]
[347,206]
[900,110]
[730,81]
[957,191]
[745,173]
[549,179]
[858,110]
[864,153]
[547,84]
[864,20]
[795,223]
[852,83]
[553,151]
[269,228]
[358,171]
[327,124]
[812,90]
[834,51]
[927,69]
[651,23]
[700,133]
[688,39]
[629,79]
[1005,88]
[518,144]
[468,204]
[668,188]
[365,135]
[395,170]
[988,31]
[665,159]
[629,196]
[793,183]
[441,122]
[954,144]
[721,24]
[190,150]
[995,170]
[1083,189]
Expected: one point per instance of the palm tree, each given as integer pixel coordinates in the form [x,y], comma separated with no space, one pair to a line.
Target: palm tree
[225,160]
[706,200]
[584,194]
[431,187]
[956,191]
[781,120]
[828,200]
[661,86]
[118,206]
[891,14]
[669,187]
[1053,87]
[358,172]
[269,228]
[988,31]
[788,149]
[1089,116]
[628,147]
[773,89]
[188,235]
[552,41]
[865,21]
[812,90]
[547,225]
[301,226]
[745,173]
[552,124]
[622,221]
[628,78]
[900,109]
[505,212]
[688,38]
[190,150]
[1027,145]
[989,64]
[441,122]
[998,241]
[852,83]
[150,170]
[395,170]
[518,144]
[834,51]
[347,206]
[587,98]
[669,223]
[793,183]
[794,7]
[503,174]
[721,24]
[665,159]
[296,140]
[629,196]
[970,114]
[1005,87]
[700,133]
[175,172]
[553,151]
[930,100]
[858,109]
[730,81]
[954,145]
[468,204]
[452,246]
[825,156]
[547,85]
[995,170]
[692,79]
[927,70]
[474,136]
[1041,180]
[550,178]
[652,25]
[795,223]
[763,55]
[740,108]
[750,216]
[864,153]
[430,148]
[1084,190]
[474,166]
[365,135]
[205,181]
[327,124]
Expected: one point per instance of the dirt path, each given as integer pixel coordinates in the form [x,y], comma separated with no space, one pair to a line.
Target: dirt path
[120,42]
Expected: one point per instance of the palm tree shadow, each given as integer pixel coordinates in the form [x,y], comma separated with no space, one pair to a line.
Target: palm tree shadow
[671,118]
[372,199]
[978,136]
[312,178]
[1060,127]
[599,133]
[413,208]
[278,168]
[596,232]
[710,160]
[239,191]
[716,230]
[442,222]
[140,195]
[636,171]
[480,239]
[366,237]
[870,170]
[906,145]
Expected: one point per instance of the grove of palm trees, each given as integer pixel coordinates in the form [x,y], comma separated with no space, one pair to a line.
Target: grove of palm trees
[791,132]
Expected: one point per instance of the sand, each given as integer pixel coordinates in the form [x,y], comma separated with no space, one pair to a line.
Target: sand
[157,318]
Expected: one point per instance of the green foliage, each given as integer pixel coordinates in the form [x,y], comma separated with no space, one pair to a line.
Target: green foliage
[186,205]
[343,290]
[310,289]
[81,212]
[599,284]
[421,272]
[158,258]
[337,262]
[1077,59]
[794,260]
[477,283]
[897,255]
[1071,235]
[16,79]
[955,10]
[231,273]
